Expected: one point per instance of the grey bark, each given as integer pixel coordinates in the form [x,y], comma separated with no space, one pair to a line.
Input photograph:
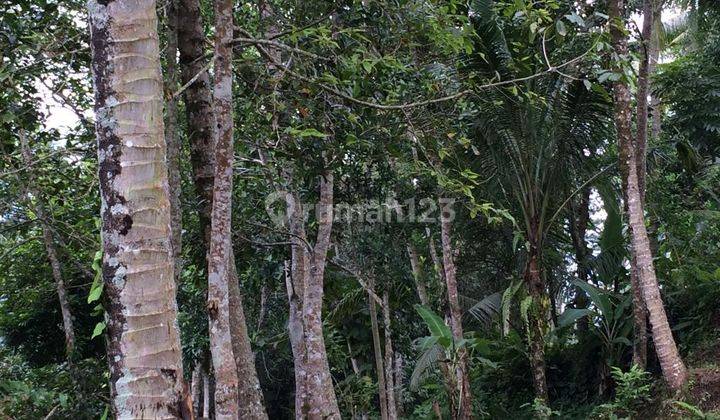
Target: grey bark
[673,368]
[389,359]
[461,368]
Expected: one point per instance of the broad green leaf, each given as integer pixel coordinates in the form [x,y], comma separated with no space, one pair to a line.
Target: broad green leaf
[435,324]
[560,28]
[571,315]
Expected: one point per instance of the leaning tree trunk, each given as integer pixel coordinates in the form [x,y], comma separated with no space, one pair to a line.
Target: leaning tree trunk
[418,275]
[673,368]
[50,248]
[202,138]
[461,368]
[144,354]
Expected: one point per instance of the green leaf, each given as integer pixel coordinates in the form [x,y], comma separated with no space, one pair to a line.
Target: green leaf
[599,297]
[99,328]
[435,324]
[571,315]
[307,132]
[576,19]
[560,28]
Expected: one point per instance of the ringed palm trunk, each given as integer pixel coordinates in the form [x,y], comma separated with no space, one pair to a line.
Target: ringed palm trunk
[50,249]
[673,368]
[461,368]
[536,321]
[144,354]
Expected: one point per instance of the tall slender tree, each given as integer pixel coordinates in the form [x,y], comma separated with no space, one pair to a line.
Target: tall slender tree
[673,368]
[146,372]
[50,248]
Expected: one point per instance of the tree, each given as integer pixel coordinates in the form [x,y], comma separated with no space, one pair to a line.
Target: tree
[146,372]
[50,248]
[673,368]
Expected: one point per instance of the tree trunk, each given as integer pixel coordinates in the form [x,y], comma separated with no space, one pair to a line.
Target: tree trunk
[221,343]
[417,275]
[536,321]
[206,394]
[320,392]
[295,284]
[172,140]
[50,249]
[580,216]
[379,363]
[198,106]
[202,138]
[144,353]
[673,368]
[399,381]
[463,381]
[389,359]
[196,388]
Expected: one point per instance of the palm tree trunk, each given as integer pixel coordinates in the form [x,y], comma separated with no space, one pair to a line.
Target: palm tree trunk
[673,368]
[536,321]
[463,381]
[144,353]
[580,216]
[50,248]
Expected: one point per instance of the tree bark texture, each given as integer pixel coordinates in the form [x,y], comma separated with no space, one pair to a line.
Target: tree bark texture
[221,346]
[144,354]
[202,133]
[673,368]
[172,139]
[461,368]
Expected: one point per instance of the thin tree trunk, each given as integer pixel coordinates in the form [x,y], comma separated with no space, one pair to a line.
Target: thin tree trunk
[399,381]
[202,138]
[580,216]
[207,394]
[377,351]
[264,290]
[50,248]
[198,106]
[417,275]
[389,358]
[144,353]
[196,388]
[171,136]
[320,392]
[463,381]
[295,276]
[673,368]
[435,258]
[221,343]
